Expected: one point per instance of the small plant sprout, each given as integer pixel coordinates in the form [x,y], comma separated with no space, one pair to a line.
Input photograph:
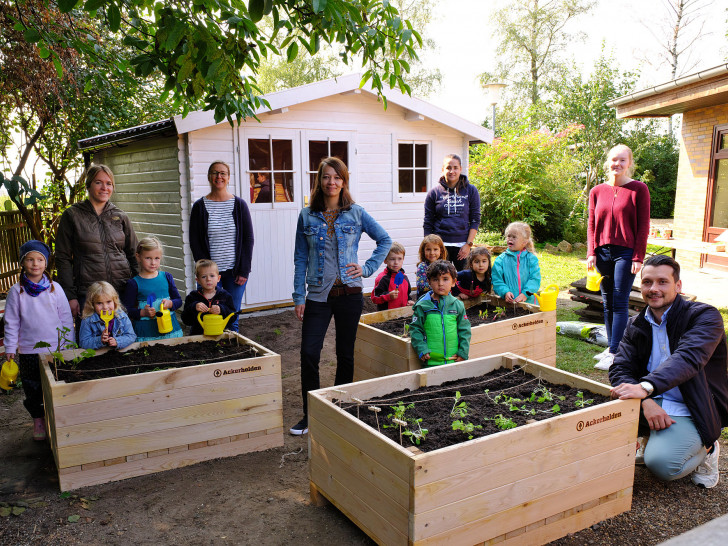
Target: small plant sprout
[416,436]
[465,427]
[580,402]
[483,314]
[358,403]
[503,423]
[401,424]
[499,312]
[406,329]
[64,343]
[376,411]
[459,409]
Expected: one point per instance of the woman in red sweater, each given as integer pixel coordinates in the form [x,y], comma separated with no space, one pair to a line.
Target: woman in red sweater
[619,222]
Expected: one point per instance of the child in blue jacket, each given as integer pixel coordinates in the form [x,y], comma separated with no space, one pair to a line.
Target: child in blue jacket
[516,272]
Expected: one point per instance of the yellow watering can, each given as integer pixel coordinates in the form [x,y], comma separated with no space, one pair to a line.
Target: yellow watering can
[8,375]
[593,280]
[213,325]
[164,320]
[547,299]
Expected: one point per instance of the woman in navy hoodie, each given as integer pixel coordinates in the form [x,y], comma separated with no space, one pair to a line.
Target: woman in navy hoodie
[452,211]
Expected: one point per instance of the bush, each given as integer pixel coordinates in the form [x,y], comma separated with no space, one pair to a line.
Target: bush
[530,177]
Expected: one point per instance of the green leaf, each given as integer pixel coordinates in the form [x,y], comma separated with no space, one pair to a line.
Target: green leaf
[74,518]
[31,35]
[5,511]
[319,5]
[58,65]
[175,36]
[292,52]
[256,8]
[114,16]
[66,5]
[17,510]
[92,5]
[44,52]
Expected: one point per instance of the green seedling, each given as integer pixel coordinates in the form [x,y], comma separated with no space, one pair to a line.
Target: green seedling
[64,343]
[483,314]
[277,331]
[418,435]
[459,409]
[499,312]
[502,422]
[581,402]
[465,427]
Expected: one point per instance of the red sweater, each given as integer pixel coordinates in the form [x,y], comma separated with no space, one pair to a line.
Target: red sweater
[619,215]
[384,285]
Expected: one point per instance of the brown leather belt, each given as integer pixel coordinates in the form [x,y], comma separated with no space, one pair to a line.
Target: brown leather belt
[343,290]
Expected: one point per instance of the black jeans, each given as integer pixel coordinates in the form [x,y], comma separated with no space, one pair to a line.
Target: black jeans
[29,368]
[346,311]
[452,256]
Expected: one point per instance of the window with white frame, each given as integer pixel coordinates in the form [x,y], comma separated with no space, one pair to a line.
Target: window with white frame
[271,170]
[413,168]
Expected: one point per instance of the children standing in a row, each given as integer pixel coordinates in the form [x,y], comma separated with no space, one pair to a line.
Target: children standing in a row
[36,311]
[150,291]
[388,293]
[516,273]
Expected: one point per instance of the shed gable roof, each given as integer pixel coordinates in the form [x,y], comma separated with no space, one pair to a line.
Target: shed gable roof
[416,108]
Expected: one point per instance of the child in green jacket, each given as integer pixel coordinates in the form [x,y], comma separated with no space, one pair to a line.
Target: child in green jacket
[440,329]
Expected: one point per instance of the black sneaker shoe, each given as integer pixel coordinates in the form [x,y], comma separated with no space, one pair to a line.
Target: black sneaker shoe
[300,428]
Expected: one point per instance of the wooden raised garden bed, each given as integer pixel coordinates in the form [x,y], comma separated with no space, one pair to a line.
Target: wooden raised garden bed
[110,429]
[378,353]
[527,485]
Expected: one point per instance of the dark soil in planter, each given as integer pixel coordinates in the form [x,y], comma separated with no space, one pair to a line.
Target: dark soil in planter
[396,326]
[155,357]
[434,405]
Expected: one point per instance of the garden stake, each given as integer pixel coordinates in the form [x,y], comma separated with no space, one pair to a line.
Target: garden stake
[358,403]
[400,423]
[376,411]
[343,393]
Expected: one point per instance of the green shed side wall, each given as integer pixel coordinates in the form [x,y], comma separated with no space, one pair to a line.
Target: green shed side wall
[147,188]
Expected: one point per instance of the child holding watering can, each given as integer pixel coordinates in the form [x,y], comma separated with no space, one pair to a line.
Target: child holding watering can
[104,324]
[151,295]
[516,272]
[35,311]
[207,299]
[475,279]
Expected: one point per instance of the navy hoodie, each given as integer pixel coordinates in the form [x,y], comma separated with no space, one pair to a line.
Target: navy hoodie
[452,213]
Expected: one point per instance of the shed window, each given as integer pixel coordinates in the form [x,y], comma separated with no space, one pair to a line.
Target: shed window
[413,167]
[321,149]
[271,170]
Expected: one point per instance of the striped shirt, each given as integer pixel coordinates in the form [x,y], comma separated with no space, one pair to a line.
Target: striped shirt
[221,232]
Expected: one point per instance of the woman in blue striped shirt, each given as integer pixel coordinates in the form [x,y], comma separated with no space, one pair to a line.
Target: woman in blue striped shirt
[221,230]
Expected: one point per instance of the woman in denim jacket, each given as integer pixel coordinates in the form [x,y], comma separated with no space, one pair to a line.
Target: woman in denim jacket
[326,262]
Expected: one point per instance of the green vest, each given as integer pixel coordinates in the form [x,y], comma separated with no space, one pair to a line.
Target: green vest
[441,331]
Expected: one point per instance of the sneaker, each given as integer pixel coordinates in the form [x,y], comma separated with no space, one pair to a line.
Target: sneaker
[601,355]
[300,428]
[707,475]
[639,457]
[605,362]
[39,429]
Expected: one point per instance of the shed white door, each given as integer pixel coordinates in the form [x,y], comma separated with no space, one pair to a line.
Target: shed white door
[278,167]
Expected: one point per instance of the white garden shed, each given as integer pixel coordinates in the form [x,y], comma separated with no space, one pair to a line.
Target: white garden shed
[394,155]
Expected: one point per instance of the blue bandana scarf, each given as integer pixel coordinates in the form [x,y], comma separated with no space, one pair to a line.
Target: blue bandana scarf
[33,289]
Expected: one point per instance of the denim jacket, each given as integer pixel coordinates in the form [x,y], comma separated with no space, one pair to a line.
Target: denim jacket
[92,327]
[311,242]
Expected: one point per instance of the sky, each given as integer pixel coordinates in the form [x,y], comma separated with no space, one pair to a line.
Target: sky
[466,47]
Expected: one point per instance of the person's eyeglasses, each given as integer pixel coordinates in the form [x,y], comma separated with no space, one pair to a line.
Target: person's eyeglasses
[221,173]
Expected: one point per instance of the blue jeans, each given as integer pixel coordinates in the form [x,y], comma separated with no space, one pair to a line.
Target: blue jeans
[615,264]
[316,318]
[676,451]
[227,282]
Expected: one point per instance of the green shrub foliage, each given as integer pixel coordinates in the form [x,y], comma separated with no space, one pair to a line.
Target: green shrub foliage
[530,177]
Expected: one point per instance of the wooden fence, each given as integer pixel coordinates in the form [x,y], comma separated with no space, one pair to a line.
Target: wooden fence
[13,233]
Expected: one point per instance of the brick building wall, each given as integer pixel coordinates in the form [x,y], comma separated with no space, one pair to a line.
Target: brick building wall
[692,177]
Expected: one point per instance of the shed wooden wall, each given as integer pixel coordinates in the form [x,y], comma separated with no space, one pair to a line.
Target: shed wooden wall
[147,188]
[376,134]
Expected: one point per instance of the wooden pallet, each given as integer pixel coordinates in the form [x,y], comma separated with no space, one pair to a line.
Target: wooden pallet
[378,353]
[528,485]
[115,428]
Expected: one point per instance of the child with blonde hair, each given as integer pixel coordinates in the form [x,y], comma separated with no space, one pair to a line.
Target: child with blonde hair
[516,272]
[209,298]
[387,294]
[149,291]
[431,249]
[103,300]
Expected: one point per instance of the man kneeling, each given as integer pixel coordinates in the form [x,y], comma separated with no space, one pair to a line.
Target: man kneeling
[673,357]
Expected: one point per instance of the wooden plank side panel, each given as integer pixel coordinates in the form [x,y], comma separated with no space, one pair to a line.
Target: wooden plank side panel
[130,445]
[520,491]
[379,338]
[495,525]
[431,495]
[175,418]
[238,387]
[472,455]
[168,461]
[367,367]
[397,362]
[519,325]
[384,316]
[368,471]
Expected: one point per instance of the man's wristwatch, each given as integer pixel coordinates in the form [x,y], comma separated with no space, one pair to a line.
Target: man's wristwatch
[648,387]
[469,244]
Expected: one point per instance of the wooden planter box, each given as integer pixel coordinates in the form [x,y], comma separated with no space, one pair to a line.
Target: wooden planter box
[378,353]
[110,429]
[528,485]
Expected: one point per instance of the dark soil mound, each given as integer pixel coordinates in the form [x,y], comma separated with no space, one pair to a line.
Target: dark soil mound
[155,357]
[489,400]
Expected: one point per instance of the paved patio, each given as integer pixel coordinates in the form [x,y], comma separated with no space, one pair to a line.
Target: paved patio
[709,286]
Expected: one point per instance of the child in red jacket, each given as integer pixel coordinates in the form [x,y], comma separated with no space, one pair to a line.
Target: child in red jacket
[391,290]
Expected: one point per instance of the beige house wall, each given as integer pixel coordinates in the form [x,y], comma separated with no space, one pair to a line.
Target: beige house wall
[692,177]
